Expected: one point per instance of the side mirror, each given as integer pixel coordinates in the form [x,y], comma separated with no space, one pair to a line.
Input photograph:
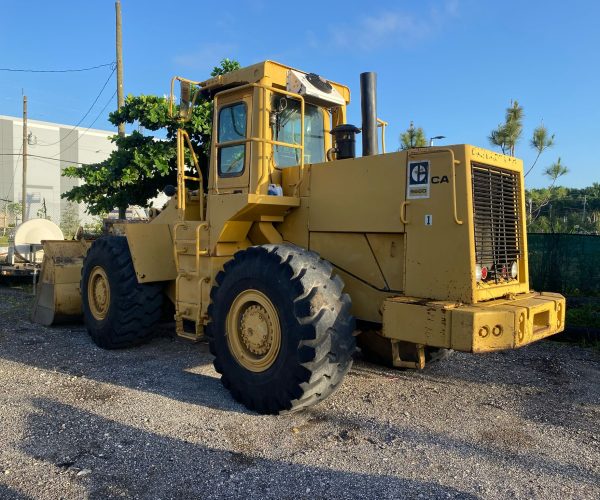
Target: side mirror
[187,96]
[185,93]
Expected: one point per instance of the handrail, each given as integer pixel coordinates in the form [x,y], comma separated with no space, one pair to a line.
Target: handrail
[403,206]
[453,163]
[381,123]
[200,178]
[258,139]
[183,137]
[204,225]
[261,140]
[181,177]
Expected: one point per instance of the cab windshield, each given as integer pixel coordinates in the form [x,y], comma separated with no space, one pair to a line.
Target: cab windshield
[286,128]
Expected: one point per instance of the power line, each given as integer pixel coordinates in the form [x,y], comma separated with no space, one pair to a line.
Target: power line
[87,129]
[86,113]
[44,157]
[76,70]
[68,147]
[101,111]
[74,142]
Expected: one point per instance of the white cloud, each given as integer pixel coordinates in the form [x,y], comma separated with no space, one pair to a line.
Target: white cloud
[206,56]
[451,7]
[389,28]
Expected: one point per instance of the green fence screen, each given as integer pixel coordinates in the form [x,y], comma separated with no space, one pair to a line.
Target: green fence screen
[565,263]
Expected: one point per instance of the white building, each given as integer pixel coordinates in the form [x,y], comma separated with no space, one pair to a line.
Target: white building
[51,148]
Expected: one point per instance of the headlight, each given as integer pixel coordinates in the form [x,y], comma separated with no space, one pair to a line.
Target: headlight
[514,270]
[477,272]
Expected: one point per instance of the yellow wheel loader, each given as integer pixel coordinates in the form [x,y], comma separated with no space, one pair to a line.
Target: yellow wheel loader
[296,248]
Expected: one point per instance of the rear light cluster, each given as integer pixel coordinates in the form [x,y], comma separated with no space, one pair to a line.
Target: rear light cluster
[497,273]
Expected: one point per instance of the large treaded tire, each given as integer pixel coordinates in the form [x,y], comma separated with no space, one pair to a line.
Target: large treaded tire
[134,308]
[317,339]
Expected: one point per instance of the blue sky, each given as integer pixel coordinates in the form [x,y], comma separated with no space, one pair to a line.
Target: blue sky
[451,66]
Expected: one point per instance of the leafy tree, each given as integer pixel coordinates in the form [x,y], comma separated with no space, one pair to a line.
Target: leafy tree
[560,209]
[94,227]
[227,66]
[4,216]
[142,164]
[69,220]
[413,138]
[13,211]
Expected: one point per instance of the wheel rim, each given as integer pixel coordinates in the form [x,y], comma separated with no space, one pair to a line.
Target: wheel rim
[98,293]
[253,331]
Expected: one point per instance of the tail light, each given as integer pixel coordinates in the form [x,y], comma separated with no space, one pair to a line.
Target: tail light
[481,273]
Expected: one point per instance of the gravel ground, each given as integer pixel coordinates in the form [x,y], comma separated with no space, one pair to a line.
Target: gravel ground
[155,422]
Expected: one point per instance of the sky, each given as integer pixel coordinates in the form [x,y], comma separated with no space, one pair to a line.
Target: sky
[450,66]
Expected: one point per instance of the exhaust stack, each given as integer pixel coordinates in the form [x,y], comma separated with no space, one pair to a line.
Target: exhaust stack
[368,106]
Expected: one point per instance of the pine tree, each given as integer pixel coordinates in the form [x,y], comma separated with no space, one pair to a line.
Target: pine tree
[413,138]
[507,134]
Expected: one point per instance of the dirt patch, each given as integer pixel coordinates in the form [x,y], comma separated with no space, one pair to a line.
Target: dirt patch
[508,437]
[155,422]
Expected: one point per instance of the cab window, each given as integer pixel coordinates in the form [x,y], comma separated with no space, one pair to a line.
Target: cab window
[286,128]
[232,127]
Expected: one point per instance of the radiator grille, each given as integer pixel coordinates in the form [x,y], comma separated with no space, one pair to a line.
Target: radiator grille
[496,219]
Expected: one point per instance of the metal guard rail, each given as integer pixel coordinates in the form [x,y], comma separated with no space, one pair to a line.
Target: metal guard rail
[263,124]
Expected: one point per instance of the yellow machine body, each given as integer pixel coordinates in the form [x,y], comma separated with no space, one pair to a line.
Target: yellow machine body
[58,298]
[401,229]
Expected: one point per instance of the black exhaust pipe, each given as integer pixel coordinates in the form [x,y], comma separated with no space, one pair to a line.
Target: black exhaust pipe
[368,106]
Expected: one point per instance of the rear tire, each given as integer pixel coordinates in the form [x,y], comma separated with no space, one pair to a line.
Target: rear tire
[280,330]
[118,311]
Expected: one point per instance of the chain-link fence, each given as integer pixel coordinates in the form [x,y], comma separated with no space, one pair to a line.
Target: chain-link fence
[565,263]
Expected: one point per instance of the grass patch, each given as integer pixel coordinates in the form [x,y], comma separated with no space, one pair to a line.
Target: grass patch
[583,326]
[585,316]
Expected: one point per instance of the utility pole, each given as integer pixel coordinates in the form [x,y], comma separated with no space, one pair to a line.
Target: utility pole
[120,96]
[24,192]
[584,203]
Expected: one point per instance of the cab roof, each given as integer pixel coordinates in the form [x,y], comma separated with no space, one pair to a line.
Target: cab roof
[266,72]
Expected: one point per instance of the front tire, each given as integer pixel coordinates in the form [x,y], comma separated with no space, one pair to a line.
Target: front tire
[280,330]
[118,311]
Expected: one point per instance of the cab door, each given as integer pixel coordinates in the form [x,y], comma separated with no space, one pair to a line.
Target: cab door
[230,158]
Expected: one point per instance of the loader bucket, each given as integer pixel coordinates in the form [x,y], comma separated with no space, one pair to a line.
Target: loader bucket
[58,298]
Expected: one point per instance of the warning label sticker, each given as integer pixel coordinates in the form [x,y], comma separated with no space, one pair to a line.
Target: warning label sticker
[417,185]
